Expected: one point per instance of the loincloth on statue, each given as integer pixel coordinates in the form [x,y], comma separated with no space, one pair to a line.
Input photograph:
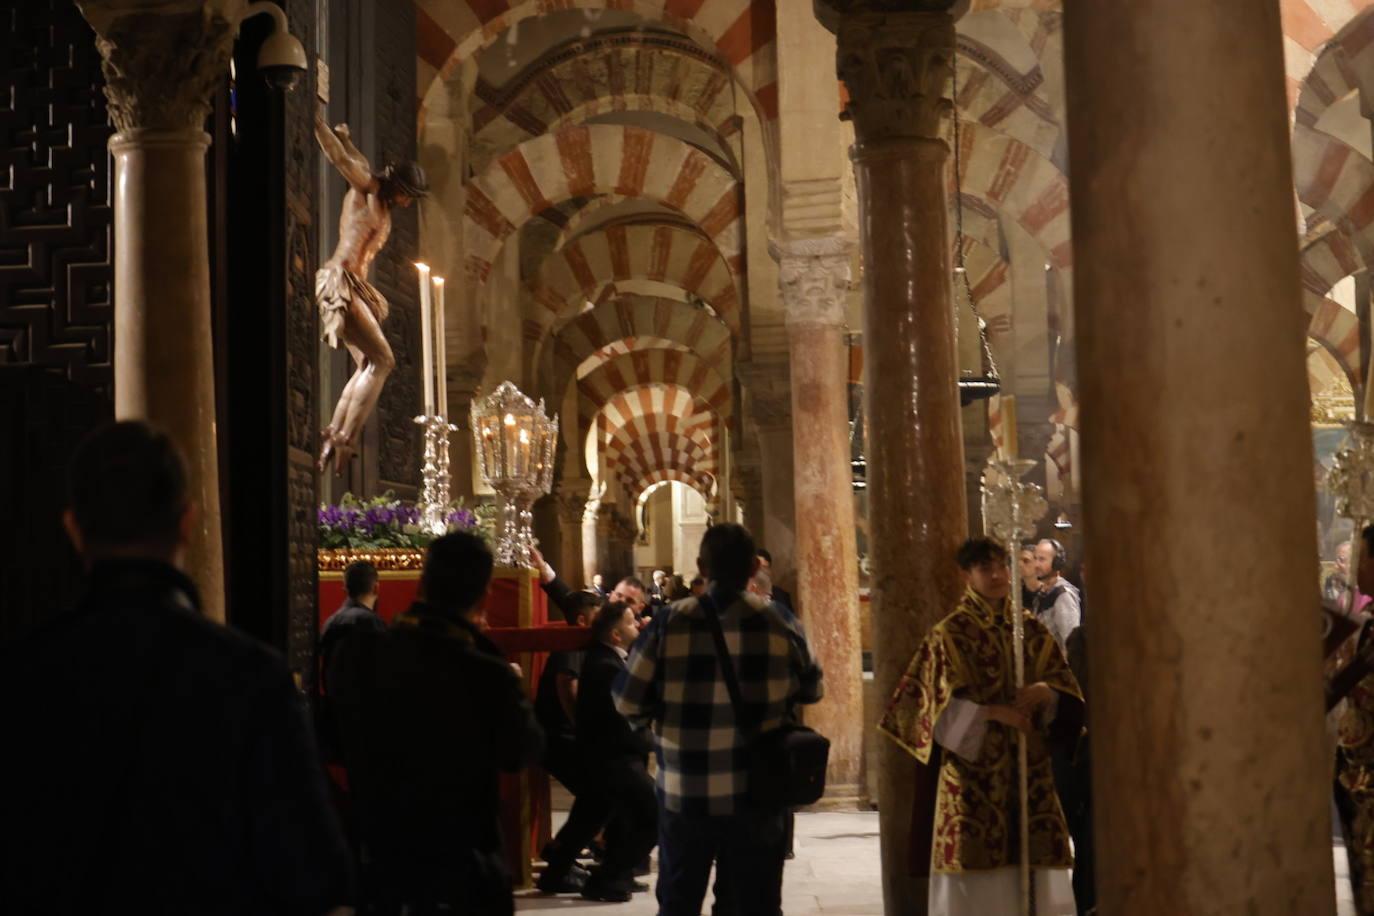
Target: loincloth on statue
[336,288]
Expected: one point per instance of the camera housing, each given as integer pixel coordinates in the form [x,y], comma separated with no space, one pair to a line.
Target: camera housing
[281,59]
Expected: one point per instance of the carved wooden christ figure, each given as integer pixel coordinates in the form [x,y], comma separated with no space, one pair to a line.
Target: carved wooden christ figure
[351,309]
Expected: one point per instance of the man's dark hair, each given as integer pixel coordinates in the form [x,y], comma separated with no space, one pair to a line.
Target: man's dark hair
[457,571]
[696,580]
[976,551]
[360,578]
[607,618]
[728,554]
[581,603]
[126,486]
[634,583]
[764,554]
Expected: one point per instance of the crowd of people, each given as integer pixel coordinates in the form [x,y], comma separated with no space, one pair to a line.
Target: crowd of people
[163,763]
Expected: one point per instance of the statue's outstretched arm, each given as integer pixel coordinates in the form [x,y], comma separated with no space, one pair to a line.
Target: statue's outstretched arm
[352,165]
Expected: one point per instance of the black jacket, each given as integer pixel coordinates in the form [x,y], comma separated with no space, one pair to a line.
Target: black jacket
[602,732]
[434,717]
[562,595]
[160,763]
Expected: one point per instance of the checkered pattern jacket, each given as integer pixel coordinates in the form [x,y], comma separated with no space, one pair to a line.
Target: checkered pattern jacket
[672,682]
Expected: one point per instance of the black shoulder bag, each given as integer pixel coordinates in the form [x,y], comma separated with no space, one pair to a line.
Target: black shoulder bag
[787,763]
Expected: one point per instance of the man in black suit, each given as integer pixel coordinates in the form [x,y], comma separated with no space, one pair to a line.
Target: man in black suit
[437,713]
[555,705]
[157,762]
[614,756]
[780,595]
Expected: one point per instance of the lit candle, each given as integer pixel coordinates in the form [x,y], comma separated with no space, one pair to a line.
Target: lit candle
[524,465]
[426,337]
[1009,442]
[441,352]
[508,453]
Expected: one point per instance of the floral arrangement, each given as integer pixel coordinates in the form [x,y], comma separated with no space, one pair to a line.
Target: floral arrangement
[383,522]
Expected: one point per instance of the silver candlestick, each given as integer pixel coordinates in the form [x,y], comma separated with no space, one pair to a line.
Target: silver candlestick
[434,474]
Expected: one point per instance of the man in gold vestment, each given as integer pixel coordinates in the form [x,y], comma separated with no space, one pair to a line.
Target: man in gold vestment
[957,711]
[1355,755]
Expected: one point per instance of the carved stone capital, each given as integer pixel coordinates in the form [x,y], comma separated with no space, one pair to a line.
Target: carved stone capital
[814,276]
[896,66]
[572,503]
[162,63]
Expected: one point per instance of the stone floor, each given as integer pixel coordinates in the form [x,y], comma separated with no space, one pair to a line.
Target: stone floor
[836,871]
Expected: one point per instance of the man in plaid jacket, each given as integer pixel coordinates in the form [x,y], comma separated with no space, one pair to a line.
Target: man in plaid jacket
[673,682]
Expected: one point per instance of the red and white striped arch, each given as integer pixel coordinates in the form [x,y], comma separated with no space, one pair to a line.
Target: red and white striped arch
[677,256]
[640,490]
[687,414]
[599,159]
[648,368]
[1308,25]
[651,410]
[707,488]
[635,317]
[996,95]
[1337,181]
[742,32]
[663,453]
[633,449]
[613,73]
[1022,185]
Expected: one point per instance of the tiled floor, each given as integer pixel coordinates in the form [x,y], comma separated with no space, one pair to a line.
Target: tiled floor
[836,872]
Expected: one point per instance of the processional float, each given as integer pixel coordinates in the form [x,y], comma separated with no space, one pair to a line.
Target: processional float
[1011,507]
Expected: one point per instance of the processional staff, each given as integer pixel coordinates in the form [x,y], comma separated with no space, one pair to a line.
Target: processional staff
[1010,510]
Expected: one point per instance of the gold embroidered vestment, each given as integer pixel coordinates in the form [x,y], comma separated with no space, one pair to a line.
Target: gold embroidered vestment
[969,655]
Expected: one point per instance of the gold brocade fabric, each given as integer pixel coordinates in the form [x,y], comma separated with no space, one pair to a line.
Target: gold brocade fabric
[969,655]
[1355,778]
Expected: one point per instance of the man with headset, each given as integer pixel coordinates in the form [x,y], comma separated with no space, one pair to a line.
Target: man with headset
[1057,604]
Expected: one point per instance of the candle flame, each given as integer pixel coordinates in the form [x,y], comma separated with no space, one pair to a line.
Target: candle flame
[524,435]
[422,267]
[510,419]
[438,281]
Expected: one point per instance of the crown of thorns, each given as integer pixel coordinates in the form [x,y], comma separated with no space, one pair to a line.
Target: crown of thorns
[406,178]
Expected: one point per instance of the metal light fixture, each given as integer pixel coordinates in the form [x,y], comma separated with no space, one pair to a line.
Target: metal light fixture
[516,442]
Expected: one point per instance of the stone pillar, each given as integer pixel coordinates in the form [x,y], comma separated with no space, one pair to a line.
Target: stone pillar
[1206,695]
[572,506]
[814,276]
[896,67]
[160,70]
[769,406]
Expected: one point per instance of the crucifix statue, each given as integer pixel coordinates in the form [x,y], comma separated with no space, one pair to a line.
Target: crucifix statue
[351,309]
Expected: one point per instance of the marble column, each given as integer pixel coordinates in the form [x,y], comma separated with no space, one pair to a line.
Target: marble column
[1212,781]
[572,506]
[814,276]
[161,66]
[896,67]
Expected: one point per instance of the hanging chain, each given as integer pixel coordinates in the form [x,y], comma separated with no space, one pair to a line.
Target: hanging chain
[959,222]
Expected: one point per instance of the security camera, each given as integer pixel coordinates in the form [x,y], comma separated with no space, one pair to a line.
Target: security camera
[281,59]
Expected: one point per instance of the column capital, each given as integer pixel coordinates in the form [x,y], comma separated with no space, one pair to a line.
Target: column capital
[814,276]
[571,500]
[894,58]
[162,62]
